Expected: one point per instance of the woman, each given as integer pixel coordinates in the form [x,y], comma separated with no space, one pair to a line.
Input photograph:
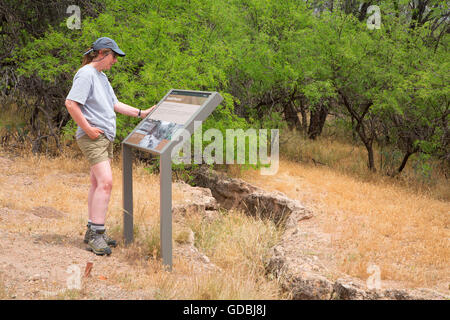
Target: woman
[92,104]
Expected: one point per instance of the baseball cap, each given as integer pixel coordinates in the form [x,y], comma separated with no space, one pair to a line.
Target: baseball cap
[106,43]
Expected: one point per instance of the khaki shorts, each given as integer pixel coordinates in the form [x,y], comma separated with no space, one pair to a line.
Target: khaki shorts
[98,150]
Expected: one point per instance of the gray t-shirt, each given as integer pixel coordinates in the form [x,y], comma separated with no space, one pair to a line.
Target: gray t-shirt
[92,90]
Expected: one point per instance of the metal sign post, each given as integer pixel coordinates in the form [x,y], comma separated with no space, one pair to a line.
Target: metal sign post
[127,193]
[158,134]
[165,208]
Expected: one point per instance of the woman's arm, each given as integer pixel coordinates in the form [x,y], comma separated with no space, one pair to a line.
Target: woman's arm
[125,109]
[78,117]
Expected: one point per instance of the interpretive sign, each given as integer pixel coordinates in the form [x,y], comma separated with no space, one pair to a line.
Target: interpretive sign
[158,134]
[179,108]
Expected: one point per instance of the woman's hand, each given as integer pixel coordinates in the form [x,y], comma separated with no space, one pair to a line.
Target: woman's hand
[144,113]
[94,132]
[74,109]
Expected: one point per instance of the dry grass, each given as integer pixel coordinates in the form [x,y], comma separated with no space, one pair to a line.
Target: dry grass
[337,152]
[398,224]
[405,233]
[3,290]
[236,243]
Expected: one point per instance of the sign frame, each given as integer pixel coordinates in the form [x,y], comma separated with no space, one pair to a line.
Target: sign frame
[165,162]
[196,116]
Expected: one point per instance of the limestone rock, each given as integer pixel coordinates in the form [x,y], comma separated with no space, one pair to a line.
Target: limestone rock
[238,194]
[352,289]
[416,294]
[196,199]
[299,272]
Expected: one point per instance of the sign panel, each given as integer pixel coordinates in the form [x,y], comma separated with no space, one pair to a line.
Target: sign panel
[174,112]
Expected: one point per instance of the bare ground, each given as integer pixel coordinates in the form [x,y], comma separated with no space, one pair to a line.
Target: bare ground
[40,261]
[42,256]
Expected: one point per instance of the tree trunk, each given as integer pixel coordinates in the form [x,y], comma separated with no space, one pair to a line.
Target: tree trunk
[362,14]
[354,133]
[366,137]
[304,117]
[291,116]
[405,160]
[371,156]
[317,121]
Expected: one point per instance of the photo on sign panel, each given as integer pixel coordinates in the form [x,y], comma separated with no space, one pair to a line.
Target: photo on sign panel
[172,114]
[154,134]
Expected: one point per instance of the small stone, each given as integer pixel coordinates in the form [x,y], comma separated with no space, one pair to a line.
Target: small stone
[205,259]
[35,277]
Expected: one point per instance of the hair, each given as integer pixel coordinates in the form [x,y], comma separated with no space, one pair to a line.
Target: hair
[87,58]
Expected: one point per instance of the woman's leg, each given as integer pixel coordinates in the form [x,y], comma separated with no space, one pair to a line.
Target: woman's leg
[91,193]
[99,196]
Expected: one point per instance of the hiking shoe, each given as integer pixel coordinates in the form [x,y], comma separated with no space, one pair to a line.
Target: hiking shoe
[110,242]
[97,244]
[87,235]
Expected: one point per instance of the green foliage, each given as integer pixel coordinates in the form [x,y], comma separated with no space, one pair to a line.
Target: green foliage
[69,130]
[263,56]
[423,168]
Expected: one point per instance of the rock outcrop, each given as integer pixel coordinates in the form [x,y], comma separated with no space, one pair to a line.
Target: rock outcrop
[238,194]
[300,273]
[195,200]
[307,280]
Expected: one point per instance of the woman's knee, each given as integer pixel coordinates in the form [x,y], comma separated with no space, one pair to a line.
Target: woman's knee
[103,176]
[105,185]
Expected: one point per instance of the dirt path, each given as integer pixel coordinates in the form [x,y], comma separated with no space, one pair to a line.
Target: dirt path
[46,266]
[38,263]
[42,254]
